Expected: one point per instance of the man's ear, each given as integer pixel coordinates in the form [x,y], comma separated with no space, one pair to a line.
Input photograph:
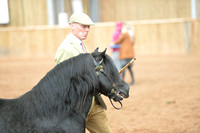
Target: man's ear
[71,26]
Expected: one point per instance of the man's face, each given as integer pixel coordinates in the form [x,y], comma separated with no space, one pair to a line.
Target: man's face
[80,31]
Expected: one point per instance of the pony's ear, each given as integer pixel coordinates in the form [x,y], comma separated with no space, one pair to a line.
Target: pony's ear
[103,53]
[96,50]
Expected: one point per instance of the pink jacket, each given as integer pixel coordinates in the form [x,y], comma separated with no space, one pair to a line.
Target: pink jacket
[116,35]
[117,32]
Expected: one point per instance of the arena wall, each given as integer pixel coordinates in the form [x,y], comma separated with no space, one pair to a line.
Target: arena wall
[172,36]
[122,10]
[34,12]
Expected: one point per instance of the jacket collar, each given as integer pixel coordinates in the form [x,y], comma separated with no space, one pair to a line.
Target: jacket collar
[75,42]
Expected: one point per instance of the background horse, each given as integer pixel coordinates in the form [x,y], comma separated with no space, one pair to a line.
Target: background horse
[59,103]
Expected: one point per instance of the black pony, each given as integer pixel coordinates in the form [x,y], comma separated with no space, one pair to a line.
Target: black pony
[59,103]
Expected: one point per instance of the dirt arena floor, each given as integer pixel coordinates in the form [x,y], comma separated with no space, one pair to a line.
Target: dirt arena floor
[165,99]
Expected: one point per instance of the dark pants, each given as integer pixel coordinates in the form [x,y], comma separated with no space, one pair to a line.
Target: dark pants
[123,63]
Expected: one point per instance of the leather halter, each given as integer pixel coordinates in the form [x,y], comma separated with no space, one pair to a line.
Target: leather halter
[100,68]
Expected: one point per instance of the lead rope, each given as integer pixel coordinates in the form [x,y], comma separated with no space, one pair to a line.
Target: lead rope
[115,106]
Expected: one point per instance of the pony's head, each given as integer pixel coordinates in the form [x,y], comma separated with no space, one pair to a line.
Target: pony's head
[111,84]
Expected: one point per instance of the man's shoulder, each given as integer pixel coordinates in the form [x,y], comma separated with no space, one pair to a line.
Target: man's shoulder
[66,45]
[68,48]
[69,42]
[65,52]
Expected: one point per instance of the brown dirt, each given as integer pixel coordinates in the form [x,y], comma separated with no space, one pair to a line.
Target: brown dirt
[165,99]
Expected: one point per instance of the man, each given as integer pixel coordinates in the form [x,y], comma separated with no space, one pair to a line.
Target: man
[80,23]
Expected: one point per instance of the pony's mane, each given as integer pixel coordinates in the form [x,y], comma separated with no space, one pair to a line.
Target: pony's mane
[63,90]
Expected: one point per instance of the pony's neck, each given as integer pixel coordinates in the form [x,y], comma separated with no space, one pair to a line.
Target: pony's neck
[66,89]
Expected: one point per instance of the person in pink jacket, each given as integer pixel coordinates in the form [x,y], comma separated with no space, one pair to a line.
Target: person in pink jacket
[115,48]
[126,52]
